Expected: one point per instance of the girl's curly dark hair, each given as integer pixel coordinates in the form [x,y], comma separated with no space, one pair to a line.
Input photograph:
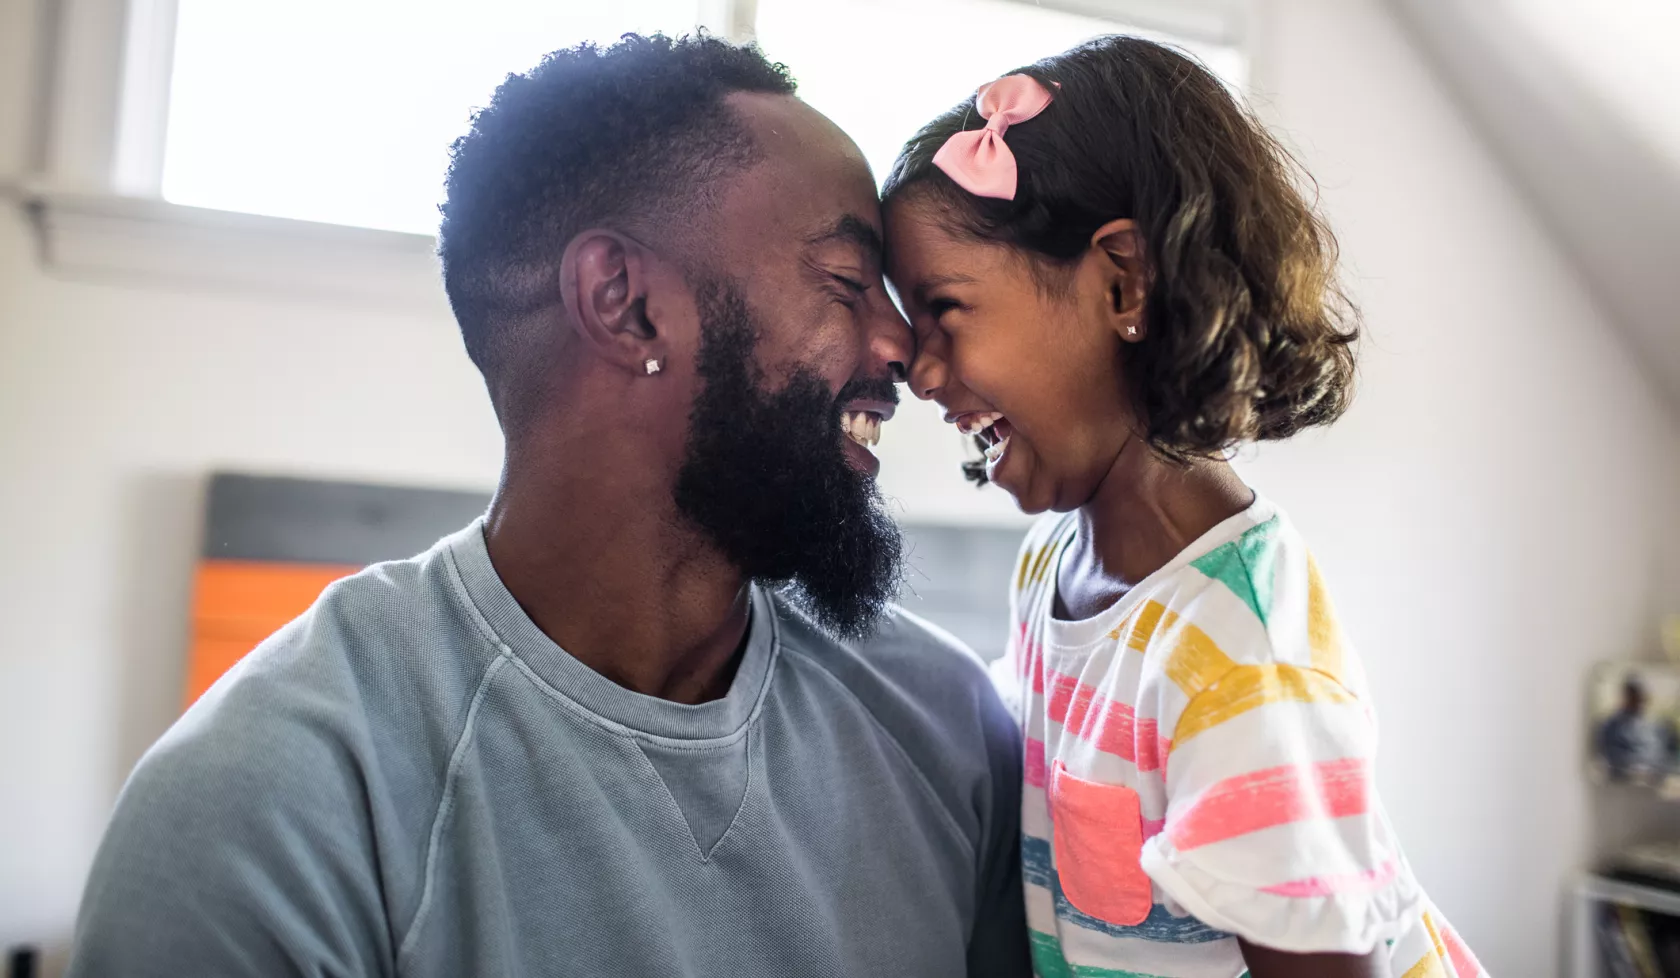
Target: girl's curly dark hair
[1250,336]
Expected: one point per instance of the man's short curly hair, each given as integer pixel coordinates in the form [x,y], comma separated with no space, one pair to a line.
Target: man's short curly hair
[633,136]
[1250,336]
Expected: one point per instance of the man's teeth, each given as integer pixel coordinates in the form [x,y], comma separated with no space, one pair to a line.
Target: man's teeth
[863,427]
[973,424]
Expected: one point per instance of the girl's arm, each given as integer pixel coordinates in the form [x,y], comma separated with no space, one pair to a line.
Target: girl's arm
[1263,962]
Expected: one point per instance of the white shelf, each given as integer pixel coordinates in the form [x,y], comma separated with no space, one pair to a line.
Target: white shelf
[1591,891]
[1652,898]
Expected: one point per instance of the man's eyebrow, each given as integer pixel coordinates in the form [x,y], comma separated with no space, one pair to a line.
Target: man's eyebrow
[852,229]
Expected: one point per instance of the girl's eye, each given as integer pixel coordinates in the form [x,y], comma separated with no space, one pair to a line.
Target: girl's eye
[937,308]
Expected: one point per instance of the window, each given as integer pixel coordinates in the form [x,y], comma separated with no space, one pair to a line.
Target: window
[883,68]
[304,132]
[342,111]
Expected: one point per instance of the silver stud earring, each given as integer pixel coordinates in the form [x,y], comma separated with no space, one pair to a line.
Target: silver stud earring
[1131,330]
[652,366]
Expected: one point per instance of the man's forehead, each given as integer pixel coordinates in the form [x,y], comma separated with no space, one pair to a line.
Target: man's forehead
[852,229]
[784,125]
[812,181]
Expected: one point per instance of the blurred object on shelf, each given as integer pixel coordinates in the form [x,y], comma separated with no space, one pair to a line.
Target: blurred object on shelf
[1634,722]
[1671,638]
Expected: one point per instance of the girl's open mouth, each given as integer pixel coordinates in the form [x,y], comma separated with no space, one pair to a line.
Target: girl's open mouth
[993,430]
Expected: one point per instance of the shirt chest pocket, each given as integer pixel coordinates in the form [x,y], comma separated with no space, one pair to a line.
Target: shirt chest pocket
[1098,835]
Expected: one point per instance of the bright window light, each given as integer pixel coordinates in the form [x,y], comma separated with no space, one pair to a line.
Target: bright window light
[881,69]
[342,111]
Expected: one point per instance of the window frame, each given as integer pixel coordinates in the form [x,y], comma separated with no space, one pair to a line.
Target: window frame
[97,199]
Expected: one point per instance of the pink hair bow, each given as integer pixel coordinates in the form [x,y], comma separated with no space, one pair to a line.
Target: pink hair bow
[978,160]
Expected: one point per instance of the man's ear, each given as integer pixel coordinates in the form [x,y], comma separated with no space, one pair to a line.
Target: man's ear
[1126,275]
[603,285]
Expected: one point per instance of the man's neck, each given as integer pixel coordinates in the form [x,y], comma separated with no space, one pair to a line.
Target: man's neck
[613,574]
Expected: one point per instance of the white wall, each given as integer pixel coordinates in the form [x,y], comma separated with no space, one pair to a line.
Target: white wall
[114,402]
[1586,117]
[1493,513]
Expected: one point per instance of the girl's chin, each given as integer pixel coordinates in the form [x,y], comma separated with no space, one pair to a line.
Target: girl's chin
[1010,466]
[1020,490]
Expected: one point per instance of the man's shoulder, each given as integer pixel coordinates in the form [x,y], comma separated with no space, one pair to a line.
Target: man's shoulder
[921,685]
[328,741]
[904,652]
[375,668]
[925,692]
[381,637]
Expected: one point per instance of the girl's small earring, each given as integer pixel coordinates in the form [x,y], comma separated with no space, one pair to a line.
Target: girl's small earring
[1131,330]
[652,365]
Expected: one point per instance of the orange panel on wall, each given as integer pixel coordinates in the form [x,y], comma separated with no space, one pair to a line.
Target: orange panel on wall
[238,603]
[273,544]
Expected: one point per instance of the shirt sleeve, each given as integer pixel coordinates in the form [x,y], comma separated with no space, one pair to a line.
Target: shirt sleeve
[1273,829]
[241,846]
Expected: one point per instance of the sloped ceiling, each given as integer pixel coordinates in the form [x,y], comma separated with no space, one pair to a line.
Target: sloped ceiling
[1581,100]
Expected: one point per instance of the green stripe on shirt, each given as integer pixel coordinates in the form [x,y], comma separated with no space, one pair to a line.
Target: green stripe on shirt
[1245,566]
[1048,962]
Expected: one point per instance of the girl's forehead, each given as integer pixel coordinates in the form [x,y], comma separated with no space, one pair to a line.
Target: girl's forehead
[916,232]
[921,243]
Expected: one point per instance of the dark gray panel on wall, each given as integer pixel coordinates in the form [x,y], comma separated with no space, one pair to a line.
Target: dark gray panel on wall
[958,578]
[268,518]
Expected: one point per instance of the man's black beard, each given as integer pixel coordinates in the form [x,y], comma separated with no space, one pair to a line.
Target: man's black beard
[766,477]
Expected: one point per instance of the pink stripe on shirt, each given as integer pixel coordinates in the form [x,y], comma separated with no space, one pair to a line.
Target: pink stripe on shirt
[1034,763]
[1109,725]
[1276,796]
[1318,886]
[1463,961]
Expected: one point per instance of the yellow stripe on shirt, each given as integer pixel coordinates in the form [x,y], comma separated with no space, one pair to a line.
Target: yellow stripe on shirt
[1324,632]
[1244,688]
[1036,563]
[1140,627]
[1428,966]
[1195,663]
[1027,559]
[1434,935]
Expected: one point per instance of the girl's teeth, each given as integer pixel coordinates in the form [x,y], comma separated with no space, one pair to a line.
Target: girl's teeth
[973,424]
[995,451]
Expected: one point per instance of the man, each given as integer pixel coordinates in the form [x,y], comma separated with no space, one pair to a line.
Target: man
[654,715]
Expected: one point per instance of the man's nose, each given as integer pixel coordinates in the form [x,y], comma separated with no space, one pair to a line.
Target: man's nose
[889,341]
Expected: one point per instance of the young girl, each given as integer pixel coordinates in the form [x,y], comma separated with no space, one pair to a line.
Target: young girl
[1113,282]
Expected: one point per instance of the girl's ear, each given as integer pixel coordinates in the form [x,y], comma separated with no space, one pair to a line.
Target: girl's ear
[1125,269]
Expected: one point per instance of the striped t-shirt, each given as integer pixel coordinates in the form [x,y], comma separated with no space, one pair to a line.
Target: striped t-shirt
[1199,765]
